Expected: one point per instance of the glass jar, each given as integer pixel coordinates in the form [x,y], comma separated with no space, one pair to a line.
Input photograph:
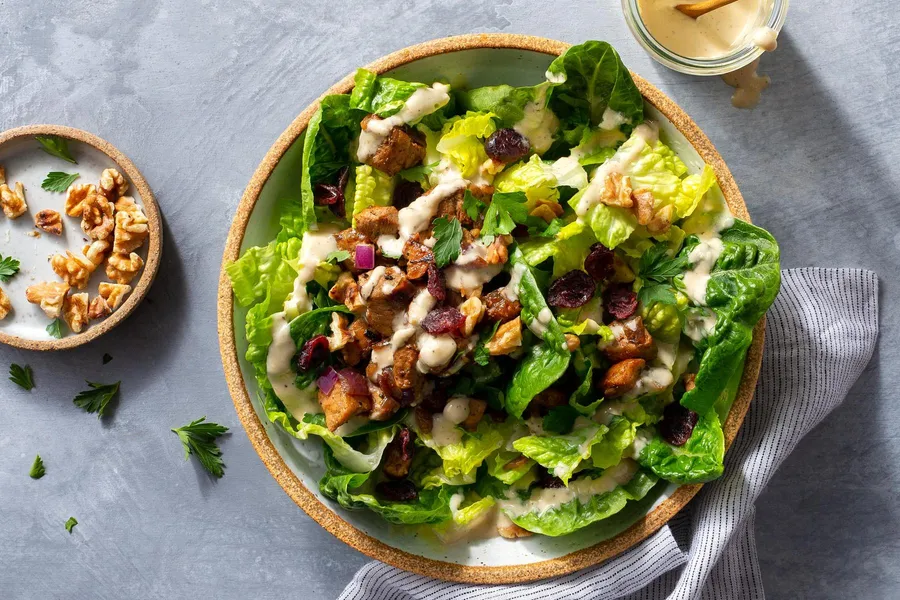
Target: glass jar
[738,57]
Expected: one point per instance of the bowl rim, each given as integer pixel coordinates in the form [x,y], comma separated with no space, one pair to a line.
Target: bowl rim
[154,250]
[330,519]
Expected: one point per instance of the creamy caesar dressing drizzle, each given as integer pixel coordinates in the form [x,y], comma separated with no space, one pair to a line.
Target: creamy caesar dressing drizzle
[652,380]
[444,431]
[748,85]
[314,248]
[467,280]
[511,290]
[539,124]
[540,323]
[423,101]
[703,257]
[435,351]
[645,134]
[641,439]
[613,408]
[544,499]
[612,119]
[373,277]
[556,78]
[475,251]
[278,369]
[699,325]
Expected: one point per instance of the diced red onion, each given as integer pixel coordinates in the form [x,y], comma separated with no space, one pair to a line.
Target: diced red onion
[354,382]
[327,380]
[365,256]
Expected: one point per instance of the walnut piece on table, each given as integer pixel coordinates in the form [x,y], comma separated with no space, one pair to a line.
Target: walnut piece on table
[96,251]
[97,220]
[131,228]
[76,197]
[98,308]
[114,293]
[5,304]
[75,311]
[49,295]
[122,268]
[13,201]
[74,270]
[49,221]
[112,185]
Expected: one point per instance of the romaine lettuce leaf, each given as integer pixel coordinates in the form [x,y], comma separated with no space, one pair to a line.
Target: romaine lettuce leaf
[371,187]
[506,102]
[698,460]
[497,466]
[620,435]
[463,458]
[462,141]
[561,454]
[378,95]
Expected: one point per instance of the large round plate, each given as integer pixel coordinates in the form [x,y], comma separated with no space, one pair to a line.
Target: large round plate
[473,60]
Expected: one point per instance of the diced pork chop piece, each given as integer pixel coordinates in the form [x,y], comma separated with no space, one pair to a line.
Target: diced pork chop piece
[632,341]
[418,256]
[621,377]
[498,307]
[407,378]
[346,291]
[399,454]
[383,406]
[376,221]
[388,297]
[359,346]
[349,397]
[403,148]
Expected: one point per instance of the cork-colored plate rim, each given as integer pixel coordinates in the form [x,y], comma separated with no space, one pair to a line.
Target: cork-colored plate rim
[154,250]
[331,520]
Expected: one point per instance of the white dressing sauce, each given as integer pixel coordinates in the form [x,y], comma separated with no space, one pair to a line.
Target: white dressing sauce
[444,431]
[316,246]
[539,324]
[555,77]
[511,290]
[278,369]
[539,124]
[475,251]
[420,306]
[422,102]
[612,119]
[748,85]
[703,258]
[652,380]
[699,325]
[640,442]
[372,279]
[467,280]
[435,351]
[645,134]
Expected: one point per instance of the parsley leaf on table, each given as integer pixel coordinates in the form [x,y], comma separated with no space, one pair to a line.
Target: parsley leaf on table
[337,256]
[21,376]
[57,181]
[97,398]
[505,211]
[55,328]
[9,266]
[56,146]
[199,438]
[37,468]
[71,523]
[449,238]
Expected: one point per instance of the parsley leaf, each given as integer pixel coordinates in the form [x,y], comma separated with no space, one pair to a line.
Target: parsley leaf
[199,439]
[337,256]
[21,376]
[504,212]
[538,227]
[656,292]
[97,398]
[472,205]
[560,419]
[449,238]
[71,523]
[56,146]
[106,358]
[55,328]
[9,266]
[37,468]
[655,264]
[57,181]
[482,356]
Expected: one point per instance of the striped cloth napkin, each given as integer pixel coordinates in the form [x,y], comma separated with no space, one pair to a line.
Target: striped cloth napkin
[820,335]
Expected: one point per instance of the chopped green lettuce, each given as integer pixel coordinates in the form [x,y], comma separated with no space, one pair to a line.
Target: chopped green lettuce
[371,188]
[462,141]
[698,460]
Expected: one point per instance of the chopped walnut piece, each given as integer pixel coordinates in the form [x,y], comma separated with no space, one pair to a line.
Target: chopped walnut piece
[34,234]
[131,229]
[122,268]
[573,342]
[617,191]
[339,334]
[473,309]
[5,304]
[74,270]
[112,185]
[546,209]
[497,254]
[96,251]
[75,311]
[113,293]
[13,201]
[50,295]
[512,531]
[662,220]
[49,220]
[76,196]
[507,338]
[97,220]
[99,309]
[643,205]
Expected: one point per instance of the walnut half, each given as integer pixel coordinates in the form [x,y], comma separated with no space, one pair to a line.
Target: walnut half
[97,219]
[49,220]
[5,304]
[50,295]
[112,185]
[507,338]
[13,201]
[77,196]
[132,227]
[75,312]
[113,293]
[74,270]
[98,308]
[122,268]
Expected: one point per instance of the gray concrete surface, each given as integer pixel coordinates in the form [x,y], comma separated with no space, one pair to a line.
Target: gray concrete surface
[195,92]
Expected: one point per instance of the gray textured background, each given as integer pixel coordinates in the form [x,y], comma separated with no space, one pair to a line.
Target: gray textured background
[195,93]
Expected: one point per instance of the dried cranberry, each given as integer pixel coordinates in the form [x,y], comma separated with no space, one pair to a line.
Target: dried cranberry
[677,424]
[620,301]
[507,145]
[572,290]
[546,480]
[436,286]
[444,319]
[314,351]
[397,491]
[405,192]
[405,442]
[332,195]
[599,262]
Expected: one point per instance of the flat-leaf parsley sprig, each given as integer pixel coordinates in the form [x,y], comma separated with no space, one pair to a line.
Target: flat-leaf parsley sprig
[96,399]
[199,438]
[21,376]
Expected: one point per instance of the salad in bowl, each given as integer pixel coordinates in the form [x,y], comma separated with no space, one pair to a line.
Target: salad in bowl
[503,310]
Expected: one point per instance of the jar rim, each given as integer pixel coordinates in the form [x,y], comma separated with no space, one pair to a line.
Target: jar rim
[734,60]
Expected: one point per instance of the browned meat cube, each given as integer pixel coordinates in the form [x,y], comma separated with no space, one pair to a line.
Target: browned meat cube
[383,406]
[498,307]
[399,454]
[377,220]
[407,378]
[388,297]
[621,377]
[424,419]
[360,345]
[452,208]
[418,256]
[348,240]
[348,397]
[403,148]
[632,341]
[346,291]
[476,411]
